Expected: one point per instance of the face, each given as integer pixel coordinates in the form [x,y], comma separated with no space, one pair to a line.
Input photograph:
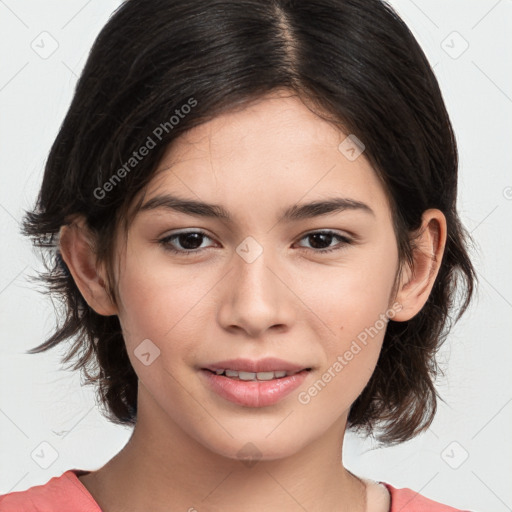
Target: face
[311,289]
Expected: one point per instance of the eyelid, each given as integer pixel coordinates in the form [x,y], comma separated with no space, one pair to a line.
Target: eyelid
[165,241]
[185,232]
[344,240]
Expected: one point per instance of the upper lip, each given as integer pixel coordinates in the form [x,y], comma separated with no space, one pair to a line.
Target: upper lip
[269,364]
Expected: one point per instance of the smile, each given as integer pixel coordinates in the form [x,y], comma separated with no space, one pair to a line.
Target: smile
[253,389]
[247,376]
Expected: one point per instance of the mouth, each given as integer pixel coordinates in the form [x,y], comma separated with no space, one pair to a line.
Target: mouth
[255,376]
[254,383]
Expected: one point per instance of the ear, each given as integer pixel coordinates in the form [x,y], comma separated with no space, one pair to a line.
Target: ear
[77,250]
[417,281]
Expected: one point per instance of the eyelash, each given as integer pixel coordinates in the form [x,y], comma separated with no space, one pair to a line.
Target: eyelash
[165,242]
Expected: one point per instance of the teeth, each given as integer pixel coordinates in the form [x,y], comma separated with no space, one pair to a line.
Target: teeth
[246,376]
[265,375]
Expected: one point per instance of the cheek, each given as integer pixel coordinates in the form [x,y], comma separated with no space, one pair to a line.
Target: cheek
[351,298]
[350,357]
[159,302]
[354,302]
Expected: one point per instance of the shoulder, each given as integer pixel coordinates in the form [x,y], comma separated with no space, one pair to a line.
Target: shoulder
[60,494]
[415,502]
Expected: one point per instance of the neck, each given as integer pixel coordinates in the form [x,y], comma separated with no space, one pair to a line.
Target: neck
[162,464]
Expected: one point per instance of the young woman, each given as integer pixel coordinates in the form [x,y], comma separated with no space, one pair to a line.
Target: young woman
[253,210]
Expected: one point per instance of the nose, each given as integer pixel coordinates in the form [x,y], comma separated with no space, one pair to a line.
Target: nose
[257,297]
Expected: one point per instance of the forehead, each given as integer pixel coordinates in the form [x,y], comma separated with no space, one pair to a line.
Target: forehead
[272,152]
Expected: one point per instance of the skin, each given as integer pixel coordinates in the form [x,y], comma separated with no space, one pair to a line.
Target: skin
[292,302]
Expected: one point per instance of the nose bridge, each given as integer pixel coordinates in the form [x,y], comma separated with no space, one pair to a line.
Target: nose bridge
[256,297]
[252,272]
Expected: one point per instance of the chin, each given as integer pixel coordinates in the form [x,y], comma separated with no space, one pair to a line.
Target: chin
[251,448]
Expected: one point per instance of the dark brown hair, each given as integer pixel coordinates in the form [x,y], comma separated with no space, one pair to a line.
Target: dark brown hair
[354,61]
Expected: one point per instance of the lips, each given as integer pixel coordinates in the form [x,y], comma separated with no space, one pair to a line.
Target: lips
[254,383]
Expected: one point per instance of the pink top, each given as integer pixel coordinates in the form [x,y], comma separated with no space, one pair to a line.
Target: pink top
[66,493]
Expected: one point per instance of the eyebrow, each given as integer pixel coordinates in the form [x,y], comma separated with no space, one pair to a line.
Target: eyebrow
[295,212]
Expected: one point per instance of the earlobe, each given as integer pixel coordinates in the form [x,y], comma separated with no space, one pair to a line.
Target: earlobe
[77,250]
[417,281]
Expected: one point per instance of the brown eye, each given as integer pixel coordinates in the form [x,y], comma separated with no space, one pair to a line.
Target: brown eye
[321,241]
[190,242]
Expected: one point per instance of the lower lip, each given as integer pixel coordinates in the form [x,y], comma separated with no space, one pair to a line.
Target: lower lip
[254,393]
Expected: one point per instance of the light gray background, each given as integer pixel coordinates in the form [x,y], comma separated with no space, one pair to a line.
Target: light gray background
[39,403]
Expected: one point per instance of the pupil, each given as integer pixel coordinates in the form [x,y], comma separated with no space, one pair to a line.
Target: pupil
[316,236]
[189,236]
